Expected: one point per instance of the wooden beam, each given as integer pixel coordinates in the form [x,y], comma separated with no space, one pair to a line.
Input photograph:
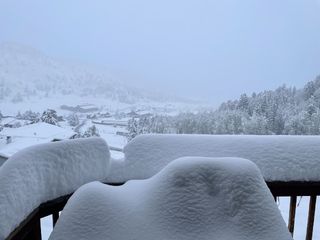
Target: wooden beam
[312,209]
[292,213]
[296,188]
[28,228]
[55,217]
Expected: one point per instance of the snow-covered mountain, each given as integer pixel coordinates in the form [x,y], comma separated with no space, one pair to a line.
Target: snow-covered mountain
[26,72]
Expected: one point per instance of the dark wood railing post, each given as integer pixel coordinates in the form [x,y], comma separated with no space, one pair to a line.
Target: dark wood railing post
[312,209]
[35,233]
[292,213]
[55,217]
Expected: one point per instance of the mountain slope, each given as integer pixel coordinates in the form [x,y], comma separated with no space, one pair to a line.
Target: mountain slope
[26,72]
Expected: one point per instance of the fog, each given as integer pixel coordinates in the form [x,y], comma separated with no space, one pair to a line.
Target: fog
[208,50]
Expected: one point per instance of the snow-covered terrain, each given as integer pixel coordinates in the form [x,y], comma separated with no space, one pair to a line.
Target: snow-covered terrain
[25,71]
[29,135]
[31,80]
[191,198]
[44,172]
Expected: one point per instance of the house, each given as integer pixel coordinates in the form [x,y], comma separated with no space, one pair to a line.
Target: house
[13,140]
[85,108]
[12,122]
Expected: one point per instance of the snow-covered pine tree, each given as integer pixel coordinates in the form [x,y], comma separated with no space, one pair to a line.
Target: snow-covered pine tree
[50,116]
[91,132]
[30,116]
[73,120]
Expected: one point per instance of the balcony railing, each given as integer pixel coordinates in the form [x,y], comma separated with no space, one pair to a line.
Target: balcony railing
[30,228]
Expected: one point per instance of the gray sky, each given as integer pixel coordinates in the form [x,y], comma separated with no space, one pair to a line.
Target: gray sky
[212,50]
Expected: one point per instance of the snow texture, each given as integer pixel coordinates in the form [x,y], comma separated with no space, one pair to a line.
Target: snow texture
[47,171]
[32,134]
[191,198]
[280,158]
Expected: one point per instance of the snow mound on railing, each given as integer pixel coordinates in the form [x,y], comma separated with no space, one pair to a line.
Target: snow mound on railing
[44,172]
[191,198]
[280,158]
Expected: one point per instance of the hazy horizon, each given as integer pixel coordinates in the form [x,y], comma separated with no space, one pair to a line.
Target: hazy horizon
[211,51]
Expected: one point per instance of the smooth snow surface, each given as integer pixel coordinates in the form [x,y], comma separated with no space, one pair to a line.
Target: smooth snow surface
[191,198]
[280,158]
[32,134]
[47,171]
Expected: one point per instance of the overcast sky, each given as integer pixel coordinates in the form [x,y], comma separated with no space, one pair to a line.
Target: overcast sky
[211,50]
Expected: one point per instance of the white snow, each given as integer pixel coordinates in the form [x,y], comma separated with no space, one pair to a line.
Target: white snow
[39,130]
[47,171]
[191,198]
[280,158]
[31,134]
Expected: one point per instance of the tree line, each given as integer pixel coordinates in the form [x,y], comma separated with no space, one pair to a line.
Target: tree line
[283,111]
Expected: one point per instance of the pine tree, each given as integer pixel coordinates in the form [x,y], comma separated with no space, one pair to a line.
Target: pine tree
[91,132]
[73,120]
[50,116]
[132,128]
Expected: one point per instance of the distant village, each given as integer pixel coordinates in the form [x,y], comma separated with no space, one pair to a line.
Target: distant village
[68,122]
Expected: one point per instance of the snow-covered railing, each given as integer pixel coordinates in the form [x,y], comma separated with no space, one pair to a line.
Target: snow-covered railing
[44,172]
[279,158]
[290,166]
[191,198]
[30,228]
[293,190]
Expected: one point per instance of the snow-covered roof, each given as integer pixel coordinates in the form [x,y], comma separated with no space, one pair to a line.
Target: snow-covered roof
[29,135]
[11,120]
[47,171]
[191,198]
[87,106]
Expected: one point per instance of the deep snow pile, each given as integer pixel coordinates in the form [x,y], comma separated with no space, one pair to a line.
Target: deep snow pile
[47,171]
[280,158]
[192,198]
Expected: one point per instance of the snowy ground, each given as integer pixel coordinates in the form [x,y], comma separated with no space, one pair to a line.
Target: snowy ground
[39,104]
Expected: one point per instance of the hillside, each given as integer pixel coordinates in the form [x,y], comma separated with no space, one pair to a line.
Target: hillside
[26,72]
[283,111]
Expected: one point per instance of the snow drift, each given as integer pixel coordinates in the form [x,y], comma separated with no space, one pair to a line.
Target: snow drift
[191,198]
[280,158]
[47,171]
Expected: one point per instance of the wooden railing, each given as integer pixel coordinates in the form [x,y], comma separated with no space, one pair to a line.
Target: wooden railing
[293,190]
[30,228]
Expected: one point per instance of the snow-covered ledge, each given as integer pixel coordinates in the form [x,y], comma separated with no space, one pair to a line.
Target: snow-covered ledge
[191,198]
[44,172]
[280,158]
